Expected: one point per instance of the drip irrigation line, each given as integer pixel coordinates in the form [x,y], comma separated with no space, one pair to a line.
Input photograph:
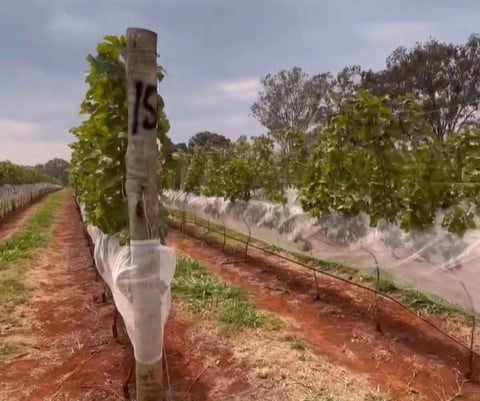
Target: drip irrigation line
[348,282]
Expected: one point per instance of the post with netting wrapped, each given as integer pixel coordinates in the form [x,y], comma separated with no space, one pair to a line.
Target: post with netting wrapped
[142,193]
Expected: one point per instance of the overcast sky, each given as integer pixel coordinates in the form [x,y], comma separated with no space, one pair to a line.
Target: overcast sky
[214,51]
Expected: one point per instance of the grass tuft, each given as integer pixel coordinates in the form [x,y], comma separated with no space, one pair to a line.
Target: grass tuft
[419,301]
[207,294]
[6,350]
[239,314]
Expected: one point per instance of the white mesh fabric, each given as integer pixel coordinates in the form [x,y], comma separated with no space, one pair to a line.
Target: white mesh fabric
[139,277]
[15,196]
[432,261]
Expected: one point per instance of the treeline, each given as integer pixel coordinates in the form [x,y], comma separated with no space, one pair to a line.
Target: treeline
[56,168]
[17,175]
[397,144]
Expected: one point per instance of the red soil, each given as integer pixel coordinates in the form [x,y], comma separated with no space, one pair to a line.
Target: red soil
[67,350]
[406,356]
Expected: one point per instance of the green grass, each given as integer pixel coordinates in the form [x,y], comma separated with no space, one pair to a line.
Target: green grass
[415,300]
[34,233]
[207,294]
[6,350]
[16,253]
[298,344]
[419,301]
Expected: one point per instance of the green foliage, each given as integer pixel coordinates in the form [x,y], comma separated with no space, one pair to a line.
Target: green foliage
[17,175]
[267,169]
[98,172]
[419,301]
[98,166]
[240,173]
[231,172]
[444,78]
[6,350]
[209,139]
[196,162]
[213,182]
[56,168]
[379,157]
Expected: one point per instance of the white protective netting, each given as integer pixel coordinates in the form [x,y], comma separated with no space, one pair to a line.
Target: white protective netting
[139,277]
[14,196]
[432,261]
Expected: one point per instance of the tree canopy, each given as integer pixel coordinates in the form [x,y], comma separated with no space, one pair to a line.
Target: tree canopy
[57,168]
[445,79]
[209,139]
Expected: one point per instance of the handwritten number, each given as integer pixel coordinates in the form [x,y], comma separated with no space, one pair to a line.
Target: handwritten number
[152,123]
[150,120]
[138,95]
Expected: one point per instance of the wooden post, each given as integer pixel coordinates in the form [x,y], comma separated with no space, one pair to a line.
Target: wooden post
[141,164]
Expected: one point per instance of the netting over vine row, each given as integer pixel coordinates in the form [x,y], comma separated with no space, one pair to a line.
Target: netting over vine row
[433,261]
[14,196]
[139,277]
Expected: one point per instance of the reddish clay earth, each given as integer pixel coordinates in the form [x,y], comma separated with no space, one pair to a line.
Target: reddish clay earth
[64,346]
[64,349]
[406,357]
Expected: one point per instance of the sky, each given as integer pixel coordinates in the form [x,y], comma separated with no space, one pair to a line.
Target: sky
[214,52]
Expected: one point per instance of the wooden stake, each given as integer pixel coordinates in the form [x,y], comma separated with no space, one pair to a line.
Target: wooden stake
[141,164]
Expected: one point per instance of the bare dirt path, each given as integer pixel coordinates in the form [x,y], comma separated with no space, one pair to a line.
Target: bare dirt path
[64,349]
[14,221]
[64,346]
[407,357]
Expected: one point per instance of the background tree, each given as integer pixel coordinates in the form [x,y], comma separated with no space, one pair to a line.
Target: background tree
[13,174]
[290,99]
[57,168]
[196,162]
[209,139]
[182,146]
[362,163]
[445,78]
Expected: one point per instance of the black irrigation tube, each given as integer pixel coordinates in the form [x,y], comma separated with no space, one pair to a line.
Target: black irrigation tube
[385,296]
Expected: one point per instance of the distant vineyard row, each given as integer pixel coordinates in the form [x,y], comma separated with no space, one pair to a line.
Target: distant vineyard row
[20,186]
[11,174]
[15,196]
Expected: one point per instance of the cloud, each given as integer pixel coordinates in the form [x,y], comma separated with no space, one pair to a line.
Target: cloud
[246,89]
[32,152]
[62,24]
[395,33]
[213,59]
[26,142]
[231,125]
[18,129]
[243,90]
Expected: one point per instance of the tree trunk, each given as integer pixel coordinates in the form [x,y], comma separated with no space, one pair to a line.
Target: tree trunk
[141,165]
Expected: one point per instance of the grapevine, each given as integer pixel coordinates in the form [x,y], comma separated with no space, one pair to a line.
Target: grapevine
[98,172]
